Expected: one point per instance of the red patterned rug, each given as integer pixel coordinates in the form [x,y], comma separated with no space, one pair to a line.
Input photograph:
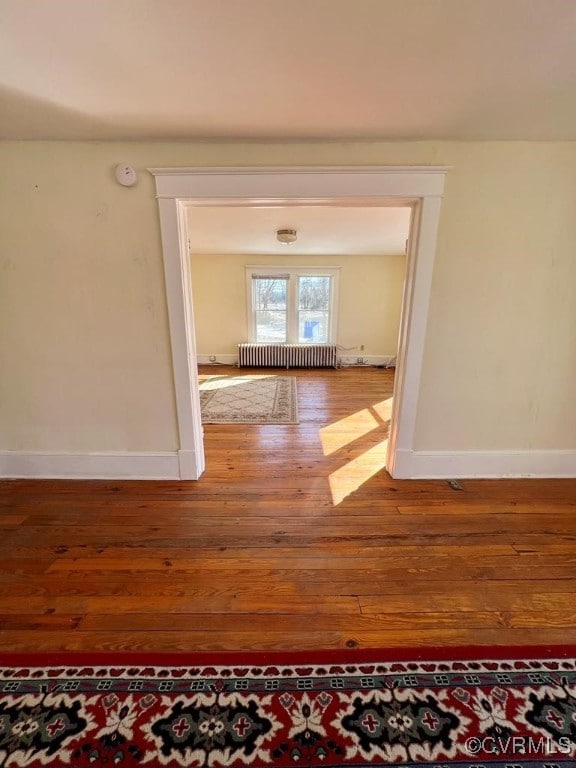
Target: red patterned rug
[502,708]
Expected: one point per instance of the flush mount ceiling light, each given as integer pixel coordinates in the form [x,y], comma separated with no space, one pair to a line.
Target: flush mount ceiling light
[286,236]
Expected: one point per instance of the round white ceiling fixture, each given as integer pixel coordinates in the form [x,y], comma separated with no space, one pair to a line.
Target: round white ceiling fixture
[286,236]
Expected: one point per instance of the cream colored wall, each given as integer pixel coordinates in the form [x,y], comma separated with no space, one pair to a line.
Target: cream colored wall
[84,346]
[370,299]
[500,359]
[84,354]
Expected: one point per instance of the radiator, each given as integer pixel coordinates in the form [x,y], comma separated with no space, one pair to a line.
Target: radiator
[287,355]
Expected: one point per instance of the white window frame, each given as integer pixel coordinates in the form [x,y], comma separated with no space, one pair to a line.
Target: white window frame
[292,298]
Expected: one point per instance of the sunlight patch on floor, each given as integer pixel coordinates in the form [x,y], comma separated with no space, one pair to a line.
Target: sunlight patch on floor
[384,409]
[355,473]
[209,382]
[344,431]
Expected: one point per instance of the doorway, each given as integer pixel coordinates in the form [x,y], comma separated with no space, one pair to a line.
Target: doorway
[179,188]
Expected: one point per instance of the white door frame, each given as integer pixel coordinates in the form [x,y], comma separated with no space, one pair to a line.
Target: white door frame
[421,187]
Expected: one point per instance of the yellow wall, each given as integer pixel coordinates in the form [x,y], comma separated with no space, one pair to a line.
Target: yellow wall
[369,306]
[84,346]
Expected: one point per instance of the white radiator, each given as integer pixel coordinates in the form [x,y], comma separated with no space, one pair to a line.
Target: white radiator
[287,355]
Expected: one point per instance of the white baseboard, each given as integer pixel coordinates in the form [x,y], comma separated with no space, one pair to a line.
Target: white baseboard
[104,466]
[387,360]
[188,465]
[484,464]
[222,359]
[173,466]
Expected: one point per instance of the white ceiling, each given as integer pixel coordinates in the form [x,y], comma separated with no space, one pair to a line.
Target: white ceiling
[321,230]
[288,69]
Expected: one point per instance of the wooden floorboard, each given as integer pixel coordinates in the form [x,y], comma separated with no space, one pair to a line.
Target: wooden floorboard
[294,538]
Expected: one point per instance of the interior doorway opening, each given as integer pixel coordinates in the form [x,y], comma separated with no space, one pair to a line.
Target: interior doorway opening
[418,187]
[338,283]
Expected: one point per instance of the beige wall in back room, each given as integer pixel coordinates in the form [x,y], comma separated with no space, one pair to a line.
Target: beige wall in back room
[85,361]
[370,298]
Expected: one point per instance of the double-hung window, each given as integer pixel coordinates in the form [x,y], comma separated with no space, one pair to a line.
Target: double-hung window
[292,304]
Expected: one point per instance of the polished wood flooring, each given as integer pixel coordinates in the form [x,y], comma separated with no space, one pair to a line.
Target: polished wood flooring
[295,537]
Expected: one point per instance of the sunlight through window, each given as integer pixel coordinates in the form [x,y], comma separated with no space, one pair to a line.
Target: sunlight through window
[345,431]
[355,473]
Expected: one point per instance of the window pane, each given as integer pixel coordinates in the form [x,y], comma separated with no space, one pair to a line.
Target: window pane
[269,304]
[270,293]
[313,326]
[314,292]
[313,309]
[271,326]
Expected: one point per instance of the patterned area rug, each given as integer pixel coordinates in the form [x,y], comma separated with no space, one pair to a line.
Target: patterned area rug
[256,399]
[513,708]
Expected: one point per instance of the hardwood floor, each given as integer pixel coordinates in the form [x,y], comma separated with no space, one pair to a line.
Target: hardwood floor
[295,537]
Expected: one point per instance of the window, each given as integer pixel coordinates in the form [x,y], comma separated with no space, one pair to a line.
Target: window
[270,307]
[314,308]
[292,305]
